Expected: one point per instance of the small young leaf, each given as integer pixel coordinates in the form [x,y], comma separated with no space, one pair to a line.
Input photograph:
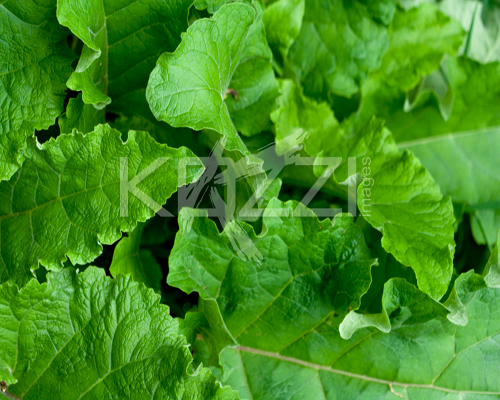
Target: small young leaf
[129,258]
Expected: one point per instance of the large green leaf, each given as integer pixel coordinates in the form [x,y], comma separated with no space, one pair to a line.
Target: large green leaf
[65,200]
[467,155]
[338,45]
[397,195]
[35,65]
[187,87]
[423,360]
[86,336]
[283,354]
[122,42]
[34,68]
[286,281]
[129,258]
[404,202]
[220,71]
[433,360]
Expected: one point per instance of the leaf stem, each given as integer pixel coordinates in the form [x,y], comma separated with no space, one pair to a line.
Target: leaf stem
[3,390]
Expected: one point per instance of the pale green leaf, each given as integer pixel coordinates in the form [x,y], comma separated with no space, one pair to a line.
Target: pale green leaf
[481,19]
[187,87]
[65,200]
[88,336]
[476,103]
[485,223]
[467,155]
[221,70]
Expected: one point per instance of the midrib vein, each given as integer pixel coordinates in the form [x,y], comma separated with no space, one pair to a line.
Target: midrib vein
[318,367]
[450,136]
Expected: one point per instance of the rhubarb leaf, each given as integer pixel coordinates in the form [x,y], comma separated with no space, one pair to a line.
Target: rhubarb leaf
[69,196]
[88,336]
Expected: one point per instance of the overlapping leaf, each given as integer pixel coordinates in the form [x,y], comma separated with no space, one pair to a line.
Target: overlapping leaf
[397,194]
[34,68]
[423,354]
[479,19]
[224,56]
[402,303]
[80,116]
[309,270]
[253,88]
[122,42]
[427,358]
[207,322]
[70,196]
[89,336]
[283,21]
[419,39]
[475,105]
[339,44]
[436,360]
[468,155]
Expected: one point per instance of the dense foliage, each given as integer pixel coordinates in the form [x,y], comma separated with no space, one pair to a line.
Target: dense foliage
[283,199]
